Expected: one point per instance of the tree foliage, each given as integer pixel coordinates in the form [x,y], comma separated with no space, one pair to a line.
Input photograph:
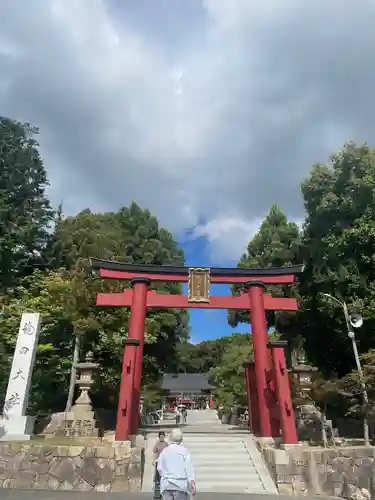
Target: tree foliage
[337,246]
[24,209]
[202,357]
[276,244]
[229,375]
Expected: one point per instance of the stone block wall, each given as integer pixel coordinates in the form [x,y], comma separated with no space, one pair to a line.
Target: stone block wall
[346,472]
[96,467]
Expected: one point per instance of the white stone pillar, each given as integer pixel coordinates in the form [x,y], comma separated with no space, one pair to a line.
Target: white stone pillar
[16,425]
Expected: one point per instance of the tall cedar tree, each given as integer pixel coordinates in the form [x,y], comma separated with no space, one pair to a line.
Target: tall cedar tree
[24,209]
[276,244]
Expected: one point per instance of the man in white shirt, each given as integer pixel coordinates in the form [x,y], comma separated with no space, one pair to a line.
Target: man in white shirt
[176,470]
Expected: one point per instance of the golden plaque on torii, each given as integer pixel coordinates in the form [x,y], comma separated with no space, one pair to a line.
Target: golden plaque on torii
[199,284]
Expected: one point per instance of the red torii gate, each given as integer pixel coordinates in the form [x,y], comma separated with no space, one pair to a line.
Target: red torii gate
[267,382]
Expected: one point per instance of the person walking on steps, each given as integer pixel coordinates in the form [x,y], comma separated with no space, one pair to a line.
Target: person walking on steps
[177,479]
[184,415]
[178,415]
[160,445]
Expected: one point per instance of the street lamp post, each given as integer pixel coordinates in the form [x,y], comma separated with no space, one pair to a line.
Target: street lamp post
[355,321]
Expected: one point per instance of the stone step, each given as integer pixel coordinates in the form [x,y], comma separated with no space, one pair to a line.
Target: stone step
[213,463]
[214,443]
[213,457]
[230,460]
[224,441]
[219,466]
[229,486]
[241,476]
[206,448]
[215,448]
[227,464]
[232,489]
[222,471]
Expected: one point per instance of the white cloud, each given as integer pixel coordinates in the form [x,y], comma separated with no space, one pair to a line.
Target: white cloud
[227,235]
[198,112]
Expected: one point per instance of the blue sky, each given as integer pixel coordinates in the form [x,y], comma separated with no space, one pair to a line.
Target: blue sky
[208,324]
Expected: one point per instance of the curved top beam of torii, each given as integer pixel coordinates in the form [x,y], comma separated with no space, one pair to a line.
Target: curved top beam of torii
[120,270]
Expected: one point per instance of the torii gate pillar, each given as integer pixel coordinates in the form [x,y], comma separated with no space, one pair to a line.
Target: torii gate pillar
[131,375]
[259,333]
[287,419]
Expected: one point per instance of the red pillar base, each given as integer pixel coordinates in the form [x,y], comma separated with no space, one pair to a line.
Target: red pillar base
[126,398]
[287,420]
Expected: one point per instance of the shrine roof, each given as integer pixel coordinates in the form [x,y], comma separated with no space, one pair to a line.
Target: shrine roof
[113,265]
[186,382]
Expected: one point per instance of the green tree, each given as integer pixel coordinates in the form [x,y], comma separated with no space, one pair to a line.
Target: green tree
[338,243]
[351,388]
[66,296]
[276,244]
[202,357]
[130,235]
[229,375]
[25,212]
[188,359]
[51,295]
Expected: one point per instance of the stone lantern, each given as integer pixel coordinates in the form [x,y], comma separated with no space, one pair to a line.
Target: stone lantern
[82,408]
[302,372]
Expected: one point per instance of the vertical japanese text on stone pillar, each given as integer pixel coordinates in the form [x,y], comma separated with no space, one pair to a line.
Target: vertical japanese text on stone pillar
[16,399]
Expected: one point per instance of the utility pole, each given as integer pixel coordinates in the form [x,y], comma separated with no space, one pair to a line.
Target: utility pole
[356,321]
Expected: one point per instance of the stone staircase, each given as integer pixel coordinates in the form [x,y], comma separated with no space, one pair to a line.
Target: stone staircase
[224,460]
[226,464]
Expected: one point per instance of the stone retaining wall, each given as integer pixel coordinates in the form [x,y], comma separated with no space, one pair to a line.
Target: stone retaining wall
[346,472]
[103,467]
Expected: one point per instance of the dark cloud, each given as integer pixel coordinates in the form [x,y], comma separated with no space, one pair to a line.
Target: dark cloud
[173,25]
[206,109]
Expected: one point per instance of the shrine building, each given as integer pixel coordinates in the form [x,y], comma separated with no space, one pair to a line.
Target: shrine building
[190,389]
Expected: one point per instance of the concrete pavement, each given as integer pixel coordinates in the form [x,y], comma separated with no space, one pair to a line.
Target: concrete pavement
[13,494]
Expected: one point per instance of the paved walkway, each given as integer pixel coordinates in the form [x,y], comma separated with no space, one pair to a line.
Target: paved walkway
[13,494]
[198,421]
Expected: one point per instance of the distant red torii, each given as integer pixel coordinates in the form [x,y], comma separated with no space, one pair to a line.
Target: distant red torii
[269,370]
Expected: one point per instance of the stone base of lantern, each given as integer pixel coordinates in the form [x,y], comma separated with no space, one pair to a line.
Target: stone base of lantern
[80,414]
[74,427]
[68,424]
[79,428]
[79,422]
[17,428]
